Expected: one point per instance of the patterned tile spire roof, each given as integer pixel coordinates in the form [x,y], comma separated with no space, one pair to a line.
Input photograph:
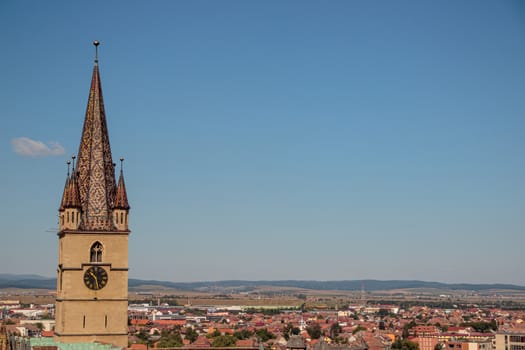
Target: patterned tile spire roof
[95,169]
[71,196]
[73,200]
[65,194]
[121,201]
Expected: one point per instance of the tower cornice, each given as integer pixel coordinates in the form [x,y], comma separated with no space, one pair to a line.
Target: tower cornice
[93,232]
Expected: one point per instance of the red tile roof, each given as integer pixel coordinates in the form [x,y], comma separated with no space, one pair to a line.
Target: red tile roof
[138,347]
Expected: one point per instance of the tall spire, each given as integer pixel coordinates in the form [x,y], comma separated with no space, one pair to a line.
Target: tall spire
[95,169]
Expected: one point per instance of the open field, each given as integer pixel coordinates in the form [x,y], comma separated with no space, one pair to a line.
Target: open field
[289,297]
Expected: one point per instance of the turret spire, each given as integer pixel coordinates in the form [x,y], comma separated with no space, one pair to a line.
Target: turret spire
[121,201]
[65,194]
[71,197]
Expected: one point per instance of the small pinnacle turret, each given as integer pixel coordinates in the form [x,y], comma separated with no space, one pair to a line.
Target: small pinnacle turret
[70,206]
[66,189]
[121,200]
[121,208]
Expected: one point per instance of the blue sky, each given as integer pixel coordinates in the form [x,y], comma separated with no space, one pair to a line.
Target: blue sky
[277,139]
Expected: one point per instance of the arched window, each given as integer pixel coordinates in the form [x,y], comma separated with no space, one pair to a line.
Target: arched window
[96,252]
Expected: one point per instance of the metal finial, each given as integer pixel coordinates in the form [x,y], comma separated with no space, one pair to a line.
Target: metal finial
[73,157]
[121,163]
[96,43]
[68,163]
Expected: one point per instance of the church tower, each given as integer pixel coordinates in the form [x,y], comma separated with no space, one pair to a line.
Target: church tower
[92,281]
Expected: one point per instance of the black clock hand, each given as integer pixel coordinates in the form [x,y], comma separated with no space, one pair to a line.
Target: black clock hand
[95,277]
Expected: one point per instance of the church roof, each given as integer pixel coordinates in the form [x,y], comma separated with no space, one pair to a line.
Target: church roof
[95,168]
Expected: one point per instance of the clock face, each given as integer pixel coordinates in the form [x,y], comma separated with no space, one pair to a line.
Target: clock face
[95,278]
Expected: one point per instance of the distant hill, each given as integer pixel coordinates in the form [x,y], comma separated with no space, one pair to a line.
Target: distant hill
[39,282]
[27,282]
[12,277]
[347,285]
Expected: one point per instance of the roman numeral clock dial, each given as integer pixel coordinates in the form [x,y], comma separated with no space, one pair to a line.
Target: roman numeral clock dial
[95,278]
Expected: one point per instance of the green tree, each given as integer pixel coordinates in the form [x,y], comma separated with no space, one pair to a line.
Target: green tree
[407,328]
[264,334]
[170,339]
[224,341]
[191,334]
[170,300]
[481,326]
[216,333]
[243,334]
[383,313]
[404,344]
[142,335]
[359,328]
[289,329]
[439,346]
[314,331]
[335,330]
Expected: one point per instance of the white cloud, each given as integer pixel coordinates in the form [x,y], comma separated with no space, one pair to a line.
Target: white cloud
[24,146]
